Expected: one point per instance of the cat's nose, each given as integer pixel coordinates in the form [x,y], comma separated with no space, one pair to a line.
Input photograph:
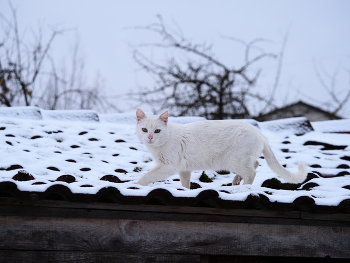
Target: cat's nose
[150,137]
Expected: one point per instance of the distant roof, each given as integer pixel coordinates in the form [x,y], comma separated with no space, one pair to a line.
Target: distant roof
[287,108]
[83,156]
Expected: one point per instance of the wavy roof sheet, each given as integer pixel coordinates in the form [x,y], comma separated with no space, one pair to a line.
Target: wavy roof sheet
[84,156]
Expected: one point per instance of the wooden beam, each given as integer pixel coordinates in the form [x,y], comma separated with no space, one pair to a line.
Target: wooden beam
[172,237]
[15,256]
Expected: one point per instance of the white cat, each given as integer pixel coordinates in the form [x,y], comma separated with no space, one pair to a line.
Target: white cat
[206,145]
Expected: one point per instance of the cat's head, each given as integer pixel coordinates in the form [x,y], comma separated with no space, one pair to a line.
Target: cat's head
[152,129]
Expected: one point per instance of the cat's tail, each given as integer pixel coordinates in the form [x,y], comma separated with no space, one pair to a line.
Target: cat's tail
[275,166]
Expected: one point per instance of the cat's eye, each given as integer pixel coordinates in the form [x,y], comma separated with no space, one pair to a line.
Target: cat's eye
[157,131]
[144,130]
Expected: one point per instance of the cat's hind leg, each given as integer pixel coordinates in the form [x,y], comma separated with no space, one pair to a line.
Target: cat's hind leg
[185,178]
[237,179]
[246,170]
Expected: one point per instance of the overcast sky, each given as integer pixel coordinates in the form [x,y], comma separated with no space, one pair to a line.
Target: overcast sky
[319,33]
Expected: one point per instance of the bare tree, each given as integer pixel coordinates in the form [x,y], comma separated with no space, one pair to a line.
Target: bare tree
[198,83]
[338,97]
[29,74]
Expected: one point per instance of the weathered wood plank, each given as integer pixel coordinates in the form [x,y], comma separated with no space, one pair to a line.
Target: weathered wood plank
[157,214]
[250,259]
[16,207]
[148,208]
[326,217]
[14,256]
[170,237]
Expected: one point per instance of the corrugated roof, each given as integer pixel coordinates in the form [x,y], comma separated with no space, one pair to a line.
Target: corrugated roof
[83,156]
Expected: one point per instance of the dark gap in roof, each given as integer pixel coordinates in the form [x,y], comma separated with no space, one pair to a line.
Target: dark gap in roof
[14,167]
[82,133]
[205,178]
[137,169]
[120,171]
[346,187]
[57,152]
[50,132]
[10,135]
[2,128]
[111,132]
[75,146]
[23,176]
[287,157]
[326,146]
[117,154]
[304,203]
[9,143]
[195,186]
[85,169]
[26,150]
[36,137]
[343,166]
[120,140]
[176,180]
[52,168]
[104,161]
[286,142]
[323,175]
[285,150]
[316,166]
[342,173]
[71,161]
[346,158]
[222,172]
[111,178]
[229,184]
[86,153]
[310,185]
[66,178]
[133,148]
[102,146]
[133,162]
[93,139]
[274,183]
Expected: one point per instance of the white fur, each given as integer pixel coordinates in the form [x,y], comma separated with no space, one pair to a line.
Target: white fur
[207,145]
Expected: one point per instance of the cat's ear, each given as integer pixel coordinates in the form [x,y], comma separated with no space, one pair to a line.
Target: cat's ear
[140,115]
[164,117]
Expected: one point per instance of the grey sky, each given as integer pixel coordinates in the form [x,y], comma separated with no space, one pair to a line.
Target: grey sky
[319,31]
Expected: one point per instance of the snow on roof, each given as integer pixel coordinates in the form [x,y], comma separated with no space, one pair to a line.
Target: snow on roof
[342,125]
[87,153]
